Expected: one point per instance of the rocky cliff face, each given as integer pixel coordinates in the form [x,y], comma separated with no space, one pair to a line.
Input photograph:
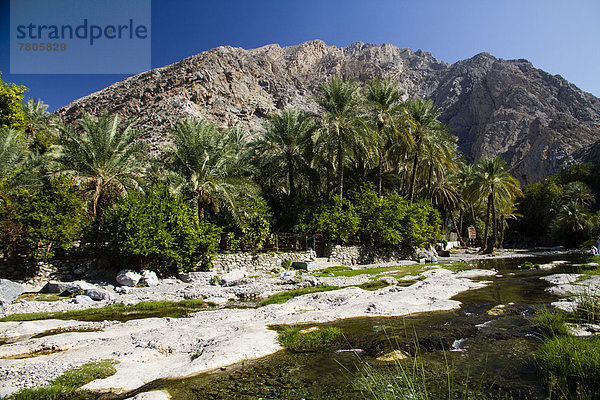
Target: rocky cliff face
[532,119]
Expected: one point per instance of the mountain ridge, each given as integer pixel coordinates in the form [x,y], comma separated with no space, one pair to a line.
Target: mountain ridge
[536,121]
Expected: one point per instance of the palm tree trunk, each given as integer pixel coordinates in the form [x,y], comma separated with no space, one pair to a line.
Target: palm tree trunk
[487,222]
[340,166]
[413,177]
[460,239]
[495,225]
[475,224]
[380,173]
[502,222]
[291,179]
[429,181]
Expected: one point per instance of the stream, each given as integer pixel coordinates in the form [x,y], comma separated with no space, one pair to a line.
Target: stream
[486,349]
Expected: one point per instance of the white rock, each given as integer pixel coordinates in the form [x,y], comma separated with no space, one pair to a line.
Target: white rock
[128,277]
[82,299]
[197,277]
[234,277]
[99,294]
[150,278]
[312,280]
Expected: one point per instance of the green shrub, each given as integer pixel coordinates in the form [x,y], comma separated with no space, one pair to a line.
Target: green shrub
[51,217]
[286,264]
[588,308]
[571,366]
[159,232]
[299,340]
[339,221]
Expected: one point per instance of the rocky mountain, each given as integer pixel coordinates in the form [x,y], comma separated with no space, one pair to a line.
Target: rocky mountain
[536,121]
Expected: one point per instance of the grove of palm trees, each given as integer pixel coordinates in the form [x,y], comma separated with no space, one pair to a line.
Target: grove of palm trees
[371,167]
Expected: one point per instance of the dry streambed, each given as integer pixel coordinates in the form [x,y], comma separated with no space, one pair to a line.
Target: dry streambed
[152,348]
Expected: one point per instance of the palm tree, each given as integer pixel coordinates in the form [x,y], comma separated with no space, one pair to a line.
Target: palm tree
[38,118]
[422,121]
[13,161]
[572,222]
[281,149]
[205,165]
[341,134]
[383,100]
[580,193]
[493,182]
[104,157]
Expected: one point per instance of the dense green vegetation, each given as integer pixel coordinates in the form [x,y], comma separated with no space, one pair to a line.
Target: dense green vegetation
[562,209]
[66,386]
[367,168]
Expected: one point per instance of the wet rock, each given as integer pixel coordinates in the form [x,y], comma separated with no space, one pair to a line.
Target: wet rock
[9,291]
[153,395]
[128,277]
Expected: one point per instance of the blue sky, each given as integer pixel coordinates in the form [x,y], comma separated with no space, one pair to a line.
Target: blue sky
[558,36]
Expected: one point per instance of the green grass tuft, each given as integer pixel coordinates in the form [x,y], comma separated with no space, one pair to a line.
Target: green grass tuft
[282,297]
[373,285]
[570,366]
[551,323]
[299,340]
[66,385]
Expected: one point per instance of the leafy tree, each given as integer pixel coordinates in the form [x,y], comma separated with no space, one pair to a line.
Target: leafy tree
[341,132]
[159,231]
[52,217]
[339,221]
[104,157]
[255,226]
[12,115]
[205,166]
[493,182]
[422,122]
[279,152]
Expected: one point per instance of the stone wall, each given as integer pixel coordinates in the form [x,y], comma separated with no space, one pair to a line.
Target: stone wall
[357,255]
[56,269]
[256,263]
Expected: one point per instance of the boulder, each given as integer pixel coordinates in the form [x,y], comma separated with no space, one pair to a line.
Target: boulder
[9,291]
[311,281]
[78,286]
[197,277]
[305,265]
[82,299]
[55,287]
[128,277]
[150,278]
[288,276]
[99,294]
[234,277]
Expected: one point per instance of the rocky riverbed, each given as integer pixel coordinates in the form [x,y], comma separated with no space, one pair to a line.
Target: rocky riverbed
[152,348]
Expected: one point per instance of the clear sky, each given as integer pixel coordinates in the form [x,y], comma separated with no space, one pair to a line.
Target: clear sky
[559,36]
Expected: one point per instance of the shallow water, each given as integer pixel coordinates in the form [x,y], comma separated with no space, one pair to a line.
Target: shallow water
[495,352]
